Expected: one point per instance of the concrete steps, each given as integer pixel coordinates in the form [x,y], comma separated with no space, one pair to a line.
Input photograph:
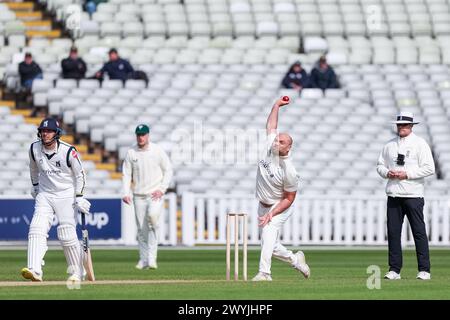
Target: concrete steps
[115,175]
[8,103]
[33,120]
[20,6]
[39,25]
[106,166]
[52,34]
[34,21]
[97,158]
[29,16]
[22,112]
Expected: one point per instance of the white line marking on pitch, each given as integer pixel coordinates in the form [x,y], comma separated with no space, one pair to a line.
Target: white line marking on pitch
[63,283]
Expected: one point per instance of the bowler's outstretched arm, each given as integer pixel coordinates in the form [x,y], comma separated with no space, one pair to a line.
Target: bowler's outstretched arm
[272,120]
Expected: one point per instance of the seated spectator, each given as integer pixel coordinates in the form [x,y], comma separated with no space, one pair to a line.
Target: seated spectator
[28,71]
[323,76]
[90,7]
[116,67]
[296,78]
[73,67]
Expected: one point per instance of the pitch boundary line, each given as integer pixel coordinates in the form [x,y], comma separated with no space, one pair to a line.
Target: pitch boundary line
[100,282]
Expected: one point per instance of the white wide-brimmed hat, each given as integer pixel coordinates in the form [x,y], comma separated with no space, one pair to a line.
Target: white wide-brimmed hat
[405,118]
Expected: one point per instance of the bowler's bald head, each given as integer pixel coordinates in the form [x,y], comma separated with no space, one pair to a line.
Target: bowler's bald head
[286,137]
[283,144]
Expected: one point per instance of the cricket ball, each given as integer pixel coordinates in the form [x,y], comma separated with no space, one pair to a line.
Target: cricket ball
[285,98]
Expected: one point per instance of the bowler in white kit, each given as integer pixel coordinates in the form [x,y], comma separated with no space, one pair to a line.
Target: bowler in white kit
[58,181]
[276,188]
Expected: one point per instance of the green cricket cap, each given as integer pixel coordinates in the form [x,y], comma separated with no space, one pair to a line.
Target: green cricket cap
[142,129]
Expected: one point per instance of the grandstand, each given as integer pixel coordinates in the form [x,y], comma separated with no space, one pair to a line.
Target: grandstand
[219,63]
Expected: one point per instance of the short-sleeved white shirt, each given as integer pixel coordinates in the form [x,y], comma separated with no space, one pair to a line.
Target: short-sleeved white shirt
[275,175]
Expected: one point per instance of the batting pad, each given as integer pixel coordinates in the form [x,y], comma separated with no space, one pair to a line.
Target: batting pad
[67,235]
[37,242]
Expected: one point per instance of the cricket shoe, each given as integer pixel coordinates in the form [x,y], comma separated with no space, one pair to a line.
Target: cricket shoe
[261,276]
[153,265]
[423,275]
[392,275]
[141,265]
[74,278]
[30,274]
[301,265]
[73,282]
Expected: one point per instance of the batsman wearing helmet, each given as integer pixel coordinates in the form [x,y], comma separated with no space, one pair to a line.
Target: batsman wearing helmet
[58,182]
[276,188]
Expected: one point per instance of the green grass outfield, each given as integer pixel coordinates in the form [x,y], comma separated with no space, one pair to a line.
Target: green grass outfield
[200,274]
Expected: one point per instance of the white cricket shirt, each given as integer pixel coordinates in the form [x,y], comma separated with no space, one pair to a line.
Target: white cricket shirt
[58,172]
[145,171]
[419,164]
[275,175]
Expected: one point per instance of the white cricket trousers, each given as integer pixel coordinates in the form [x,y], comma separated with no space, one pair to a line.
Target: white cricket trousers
[45,207]
[147,213]
[270,239]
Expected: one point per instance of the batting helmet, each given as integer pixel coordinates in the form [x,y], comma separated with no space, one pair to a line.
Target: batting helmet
[50,124]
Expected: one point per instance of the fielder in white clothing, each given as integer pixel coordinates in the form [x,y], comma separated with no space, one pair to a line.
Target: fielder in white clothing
[276,188]
[147,172]
[58,182]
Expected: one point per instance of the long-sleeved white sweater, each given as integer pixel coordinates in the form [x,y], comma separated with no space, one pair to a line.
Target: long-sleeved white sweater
[419,164]
[145,171]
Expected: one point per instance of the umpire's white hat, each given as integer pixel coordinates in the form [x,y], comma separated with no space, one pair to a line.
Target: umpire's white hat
[405,118]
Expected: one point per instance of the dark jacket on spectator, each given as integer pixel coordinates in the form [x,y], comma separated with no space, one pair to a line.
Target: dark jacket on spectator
[120,69]
[324,79]
[28,71]
[299,78]
[73,68]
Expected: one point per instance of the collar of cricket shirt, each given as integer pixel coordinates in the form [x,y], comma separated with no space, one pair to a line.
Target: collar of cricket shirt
[52,151]
[407,138]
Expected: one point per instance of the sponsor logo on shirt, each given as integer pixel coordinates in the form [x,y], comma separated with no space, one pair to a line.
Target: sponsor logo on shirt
[51,172]
[58,164]
[266,166]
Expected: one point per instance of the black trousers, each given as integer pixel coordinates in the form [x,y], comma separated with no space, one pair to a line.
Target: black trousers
[397,208]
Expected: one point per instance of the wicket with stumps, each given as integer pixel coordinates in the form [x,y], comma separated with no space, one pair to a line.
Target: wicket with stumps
[234,219]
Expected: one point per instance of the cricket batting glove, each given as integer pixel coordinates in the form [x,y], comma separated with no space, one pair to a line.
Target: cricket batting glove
[34,191]
[82,205]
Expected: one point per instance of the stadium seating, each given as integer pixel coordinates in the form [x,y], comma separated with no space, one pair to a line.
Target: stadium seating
[15,175]
[219,63]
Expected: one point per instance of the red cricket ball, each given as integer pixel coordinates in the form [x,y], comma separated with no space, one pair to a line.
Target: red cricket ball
[285,98]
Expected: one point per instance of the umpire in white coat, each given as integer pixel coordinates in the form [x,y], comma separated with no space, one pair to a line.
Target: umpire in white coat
[147,172]
[405,161]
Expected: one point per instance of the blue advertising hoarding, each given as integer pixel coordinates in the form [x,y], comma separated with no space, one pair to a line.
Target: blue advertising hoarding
[104,222]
